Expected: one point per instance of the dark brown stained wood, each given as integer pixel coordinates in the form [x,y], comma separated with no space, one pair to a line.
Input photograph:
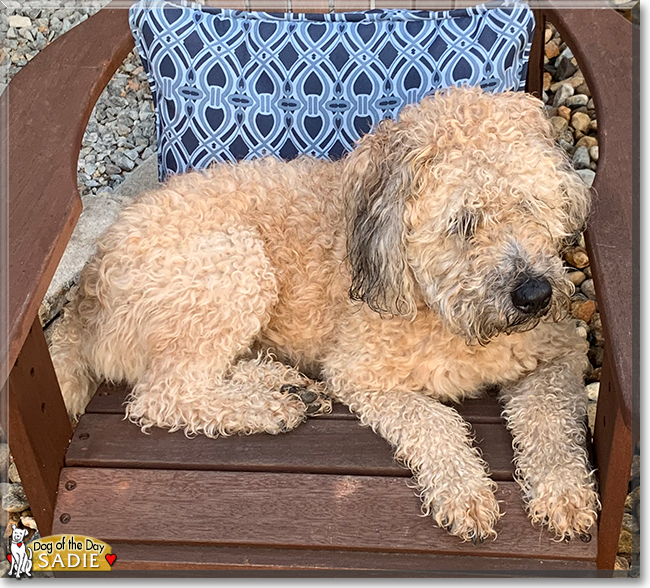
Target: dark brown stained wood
[39,430]
[260,509]
[601,41]
[49,103]
[613,449]
[109,399]
[534,77]
[317,446]
[369,513]
[151,556]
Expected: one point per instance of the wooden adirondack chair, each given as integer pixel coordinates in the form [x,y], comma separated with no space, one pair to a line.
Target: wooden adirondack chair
[326,498]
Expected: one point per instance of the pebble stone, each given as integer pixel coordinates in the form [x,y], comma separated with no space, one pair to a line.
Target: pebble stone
[577,257]
[559,125]
[564,92]
[583,310]
[582,328]
[581,159]
[29,522]
[588,176]
[4,458]
[14,498]
[630,523]
[580,122]
[14,476]
[18,21]
[592,391]
[576,278]
[564,112]
[587,142]
[577,100]
[593,152]
[588,289]
[565,67]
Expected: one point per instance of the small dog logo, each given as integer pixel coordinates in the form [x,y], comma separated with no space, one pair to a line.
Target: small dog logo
[21,555]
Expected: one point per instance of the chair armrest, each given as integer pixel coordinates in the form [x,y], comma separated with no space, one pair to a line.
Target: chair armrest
[44,112]
[602,42]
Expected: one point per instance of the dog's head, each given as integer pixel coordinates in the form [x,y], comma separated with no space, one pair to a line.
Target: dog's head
[463,204]
[17,535]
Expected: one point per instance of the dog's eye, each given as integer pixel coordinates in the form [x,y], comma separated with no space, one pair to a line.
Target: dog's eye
[464,226]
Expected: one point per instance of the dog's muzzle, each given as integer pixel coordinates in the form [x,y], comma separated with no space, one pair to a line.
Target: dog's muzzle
[532,295]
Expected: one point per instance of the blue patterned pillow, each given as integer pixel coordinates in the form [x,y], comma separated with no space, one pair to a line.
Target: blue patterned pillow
[230,85]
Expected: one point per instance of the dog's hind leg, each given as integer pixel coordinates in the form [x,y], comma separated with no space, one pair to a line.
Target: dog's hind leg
[254,396]
[198,317]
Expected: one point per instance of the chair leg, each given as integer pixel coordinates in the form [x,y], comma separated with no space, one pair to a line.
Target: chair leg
[39,430]
[613,450]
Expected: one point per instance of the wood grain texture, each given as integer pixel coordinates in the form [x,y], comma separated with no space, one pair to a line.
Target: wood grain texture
[318,446]
[49,103]
[109,399]
[151,556]
[534,77]
[39,429]
[367,513]
[613,451]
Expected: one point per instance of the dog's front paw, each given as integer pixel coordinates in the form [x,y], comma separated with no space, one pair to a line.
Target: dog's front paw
[470,514]
[316,403]
[568,510]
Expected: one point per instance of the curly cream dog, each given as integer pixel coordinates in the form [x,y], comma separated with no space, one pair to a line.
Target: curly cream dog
[418,270]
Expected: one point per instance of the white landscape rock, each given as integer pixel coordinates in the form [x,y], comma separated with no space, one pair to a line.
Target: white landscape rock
[592,391]
[19,22]
[588,176]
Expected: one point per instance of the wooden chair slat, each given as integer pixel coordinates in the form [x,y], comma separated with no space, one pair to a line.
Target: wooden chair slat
[369,513]
[109,399]
[150,558]
[317,446]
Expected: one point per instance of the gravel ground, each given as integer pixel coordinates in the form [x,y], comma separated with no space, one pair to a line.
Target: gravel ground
[121,135]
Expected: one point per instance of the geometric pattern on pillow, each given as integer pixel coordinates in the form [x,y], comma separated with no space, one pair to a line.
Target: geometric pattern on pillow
[230,85]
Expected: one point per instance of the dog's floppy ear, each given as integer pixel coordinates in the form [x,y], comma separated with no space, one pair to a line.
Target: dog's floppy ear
[377,181]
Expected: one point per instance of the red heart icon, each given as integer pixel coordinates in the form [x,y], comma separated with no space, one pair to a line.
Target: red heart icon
[110,558]
[9,557]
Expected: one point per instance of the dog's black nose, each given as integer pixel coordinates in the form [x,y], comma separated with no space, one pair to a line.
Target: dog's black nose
[532,295]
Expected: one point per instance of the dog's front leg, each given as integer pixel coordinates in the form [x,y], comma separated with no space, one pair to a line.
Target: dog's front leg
[546,413]
[435,443]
